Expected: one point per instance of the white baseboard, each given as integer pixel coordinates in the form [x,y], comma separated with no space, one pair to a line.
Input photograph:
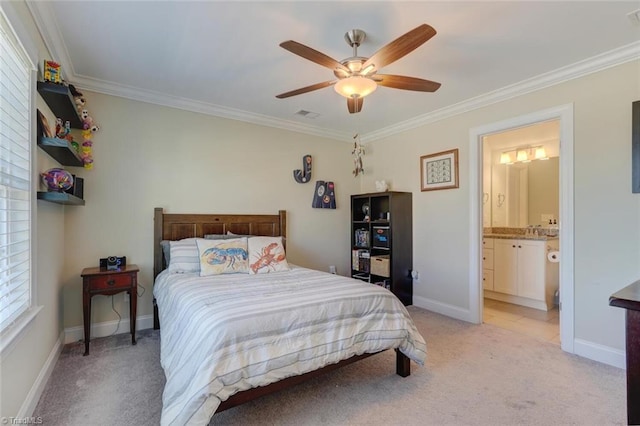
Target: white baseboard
[442,308]
[600,353]
[518,300]
[32,398]
[107,328]
[593,351]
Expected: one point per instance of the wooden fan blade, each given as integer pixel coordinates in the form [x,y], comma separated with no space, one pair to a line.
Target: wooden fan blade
[400,46]
[354,105]
[306,89]
[407,83]
[313,55]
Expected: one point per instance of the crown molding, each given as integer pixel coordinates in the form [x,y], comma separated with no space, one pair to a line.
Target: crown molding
[587,66]
[53,41]
[52,38]
[136,94]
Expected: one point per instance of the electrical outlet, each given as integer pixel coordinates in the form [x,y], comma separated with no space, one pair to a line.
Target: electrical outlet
[332,269]
[126,297]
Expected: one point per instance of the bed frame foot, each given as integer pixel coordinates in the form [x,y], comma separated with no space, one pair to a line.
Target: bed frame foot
[156,319]
[403,364]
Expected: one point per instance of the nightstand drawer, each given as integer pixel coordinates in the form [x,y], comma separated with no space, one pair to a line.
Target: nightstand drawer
[108,282]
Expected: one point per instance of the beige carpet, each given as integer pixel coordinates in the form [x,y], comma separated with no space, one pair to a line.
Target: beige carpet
[475,375]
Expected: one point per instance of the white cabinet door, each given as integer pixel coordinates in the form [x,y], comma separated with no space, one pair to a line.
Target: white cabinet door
[505,266]
[487,279]
[531,269]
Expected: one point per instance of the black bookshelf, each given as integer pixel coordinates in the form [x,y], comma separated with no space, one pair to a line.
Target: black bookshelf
[386,217]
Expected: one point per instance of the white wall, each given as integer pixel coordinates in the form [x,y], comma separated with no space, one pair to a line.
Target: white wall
[150,156]
[607,214]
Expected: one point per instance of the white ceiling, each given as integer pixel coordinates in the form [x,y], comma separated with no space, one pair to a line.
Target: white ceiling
[223,58]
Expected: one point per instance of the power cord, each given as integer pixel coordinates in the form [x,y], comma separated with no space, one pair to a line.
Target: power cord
[118,314]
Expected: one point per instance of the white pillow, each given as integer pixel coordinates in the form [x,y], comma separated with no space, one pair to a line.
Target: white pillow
[223,256]
[184,256]
[266,254]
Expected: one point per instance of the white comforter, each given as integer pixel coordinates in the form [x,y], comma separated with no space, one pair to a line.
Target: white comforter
[227,333]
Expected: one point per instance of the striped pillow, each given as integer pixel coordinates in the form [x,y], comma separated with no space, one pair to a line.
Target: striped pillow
[184,256]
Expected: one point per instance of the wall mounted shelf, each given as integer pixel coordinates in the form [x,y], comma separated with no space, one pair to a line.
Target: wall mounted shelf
[60,198]
[61,151]
[59,99]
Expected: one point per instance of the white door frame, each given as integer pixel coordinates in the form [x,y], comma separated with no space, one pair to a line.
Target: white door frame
[564,113]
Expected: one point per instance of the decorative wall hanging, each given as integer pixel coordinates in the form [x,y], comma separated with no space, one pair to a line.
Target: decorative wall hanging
[358,152]
[439,170]
[324,196]
[304,175]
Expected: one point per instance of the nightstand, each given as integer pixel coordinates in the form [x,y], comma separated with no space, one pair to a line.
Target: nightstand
[109,282]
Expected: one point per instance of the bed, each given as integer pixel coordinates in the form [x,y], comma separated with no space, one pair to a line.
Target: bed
[296,324]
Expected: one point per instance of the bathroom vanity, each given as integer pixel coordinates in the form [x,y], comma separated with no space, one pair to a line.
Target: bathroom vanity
[516,269]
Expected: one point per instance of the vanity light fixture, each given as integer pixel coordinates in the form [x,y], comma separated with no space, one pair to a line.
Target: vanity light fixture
[541,154]
[523,154]
[506,158]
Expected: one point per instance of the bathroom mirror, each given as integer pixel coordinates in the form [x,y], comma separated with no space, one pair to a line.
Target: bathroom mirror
[523,194]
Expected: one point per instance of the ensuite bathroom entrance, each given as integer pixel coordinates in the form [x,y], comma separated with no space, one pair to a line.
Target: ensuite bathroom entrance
[521,223]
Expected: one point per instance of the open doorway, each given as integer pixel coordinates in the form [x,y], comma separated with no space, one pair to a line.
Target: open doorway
[520,219]
[564,115]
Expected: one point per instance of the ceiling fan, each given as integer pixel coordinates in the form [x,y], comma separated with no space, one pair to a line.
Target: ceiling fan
[358,76]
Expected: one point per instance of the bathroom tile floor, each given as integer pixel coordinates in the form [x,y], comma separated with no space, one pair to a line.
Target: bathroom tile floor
[543,325]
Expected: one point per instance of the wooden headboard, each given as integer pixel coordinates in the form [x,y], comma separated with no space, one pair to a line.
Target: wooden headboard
[178,226]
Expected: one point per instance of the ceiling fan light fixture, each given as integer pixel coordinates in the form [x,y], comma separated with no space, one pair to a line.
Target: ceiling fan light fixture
[368,69]
[355,87]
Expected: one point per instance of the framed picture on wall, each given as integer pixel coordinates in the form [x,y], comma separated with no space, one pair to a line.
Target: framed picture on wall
[439,170]
[43,126]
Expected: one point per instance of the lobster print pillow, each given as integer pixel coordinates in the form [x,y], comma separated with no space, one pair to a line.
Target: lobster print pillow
[266,254]
[223,256]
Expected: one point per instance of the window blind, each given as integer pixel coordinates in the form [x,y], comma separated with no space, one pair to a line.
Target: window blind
[15,179]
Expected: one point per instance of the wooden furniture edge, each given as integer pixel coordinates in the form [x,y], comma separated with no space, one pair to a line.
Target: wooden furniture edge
[402,369]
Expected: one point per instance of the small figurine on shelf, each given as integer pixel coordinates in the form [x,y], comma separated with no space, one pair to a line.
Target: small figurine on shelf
[63,132]
[86,133]
[52,72]
[58,126]
[86,155]
[87,120]
[80,102]
[74,91]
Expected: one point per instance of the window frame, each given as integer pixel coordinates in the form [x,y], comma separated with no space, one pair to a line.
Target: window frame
[11,23]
